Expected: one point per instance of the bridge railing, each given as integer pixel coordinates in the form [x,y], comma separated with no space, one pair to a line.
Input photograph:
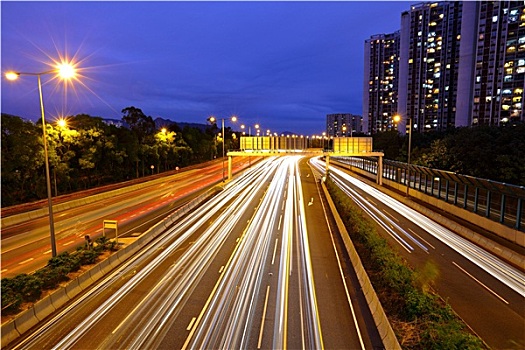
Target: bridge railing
[494,200]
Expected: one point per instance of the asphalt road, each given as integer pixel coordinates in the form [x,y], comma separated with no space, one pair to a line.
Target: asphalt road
[254,267]
[486,292]
[26,246]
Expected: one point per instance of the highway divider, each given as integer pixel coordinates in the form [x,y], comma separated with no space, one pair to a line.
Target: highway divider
[29,318]
[384,327]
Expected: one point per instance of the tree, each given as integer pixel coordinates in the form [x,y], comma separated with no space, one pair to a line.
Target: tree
[143,127]
[22,159]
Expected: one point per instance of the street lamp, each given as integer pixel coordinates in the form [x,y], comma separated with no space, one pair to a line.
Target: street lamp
[213,120]
[396,118]
[64,71]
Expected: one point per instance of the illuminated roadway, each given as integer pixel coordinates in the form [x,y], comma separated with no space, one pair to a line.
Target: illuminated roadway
[241,271]
[488,293]
[25,246]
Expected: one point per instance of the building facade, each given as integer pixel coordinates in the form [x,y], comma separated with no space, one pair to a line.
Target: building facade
[460,64]
[343,125]
[432,53]
[380,83]
[496,34]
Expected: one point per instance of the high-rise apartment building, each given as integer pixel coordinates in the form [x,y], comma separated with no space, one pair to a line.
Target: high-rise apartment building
[460,64]
[343,124]
[380,82]
[494,63]
[428,74]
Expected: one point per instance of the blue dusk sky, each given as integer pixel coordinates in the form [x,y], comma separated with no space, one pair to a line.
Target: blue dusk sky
[283,64]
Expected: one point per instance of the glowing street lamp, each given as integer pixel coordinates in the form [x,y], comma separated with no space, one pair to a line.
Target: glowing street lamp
[396,118]
[64,71]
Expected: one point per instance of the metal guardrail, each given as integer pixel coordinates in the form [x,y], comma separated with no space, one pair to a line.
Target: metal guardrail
[495,200]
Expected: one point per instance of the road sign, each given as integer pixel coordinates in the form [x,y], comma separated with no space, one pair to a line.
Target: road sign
[110,224]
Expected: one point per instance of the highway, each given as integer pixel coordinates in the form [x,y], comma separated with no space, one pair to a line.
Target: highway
[486,292]
[239,272]
[26,246]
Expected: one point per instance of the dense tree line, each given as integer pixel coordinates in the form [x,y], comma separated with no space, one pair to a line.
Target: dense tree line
[87,152]
[495,153]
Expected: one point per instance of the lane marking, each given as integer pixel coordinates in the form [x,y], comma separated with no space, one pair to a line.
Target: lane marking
[221,269]
[421,238]
[191,323]
[46,252]
[280,220]
[263,317]
[68,243]
[26,261]
[275,250]
[481,283]
[390,215]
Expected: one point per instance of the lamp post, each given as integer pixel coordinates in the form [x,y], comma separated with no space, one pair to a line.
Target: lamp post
[213,119]
[65,71]
[409,129]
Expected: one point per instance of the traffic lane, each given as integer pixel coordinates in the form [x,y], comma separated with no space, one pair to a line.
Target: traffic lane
[34,253]
[494,311]
[31,251]
[90,339]
[179,331]
[337,319]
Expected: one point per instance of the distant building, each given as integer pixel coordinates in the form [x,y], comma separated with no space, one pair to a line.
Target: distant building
[380,84]
[343,124]
[116,122]
[459,64]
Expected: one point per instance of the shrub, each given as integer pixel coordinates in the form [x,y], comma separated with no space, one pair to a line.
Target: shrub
[11,300]
[28,288]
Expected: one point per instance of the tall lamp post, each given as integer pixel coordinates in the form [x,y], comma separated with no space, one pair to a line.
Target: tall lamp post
[213,120]
[409,129]
[65,71]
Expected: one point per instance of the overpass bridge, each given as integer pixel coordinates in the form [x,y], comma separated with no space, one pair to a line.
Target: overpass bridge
[276,146]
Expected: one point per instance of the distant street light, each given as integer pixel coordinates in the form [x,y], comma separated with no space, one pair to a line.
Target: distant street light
[64,71]
[396,118]
[213,120]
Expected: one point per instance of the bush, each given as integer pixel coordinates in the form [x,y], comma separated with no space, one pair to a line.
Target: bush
[88,257]
[11,300]
[52,277]
[28,288]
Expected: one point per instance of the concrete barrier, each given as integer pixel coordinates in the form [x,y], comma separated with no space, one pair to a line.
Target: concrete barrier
[105,265]
[73,288]
[9,333]
[113,261]
[84,280]
[25,321]
[59,298]
[43,308]
[95,273]
[378,314]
